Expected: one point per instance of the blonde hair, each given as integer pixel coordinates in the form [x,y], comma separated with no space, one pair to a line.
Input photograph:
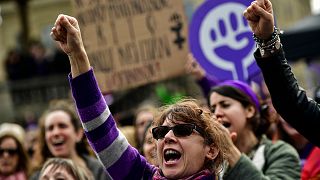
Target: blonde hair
[78,172]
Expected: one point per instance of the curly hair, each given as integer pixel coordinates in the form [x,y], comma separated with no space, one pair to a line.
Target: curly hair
[189,111]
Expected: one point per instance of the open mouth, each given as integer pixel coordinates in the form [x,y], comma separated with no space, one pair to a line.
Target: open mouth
[58,142]
[171,155]
[226,124]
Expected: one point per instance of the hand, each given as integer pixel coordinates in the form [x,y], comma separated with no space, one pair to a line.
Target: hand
[232,154]
[193,67]
[260,18]
[67,33]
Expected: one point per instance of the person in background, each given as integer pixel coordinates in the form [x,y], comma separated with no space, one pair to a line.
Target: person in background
[149,150]
[237,107]
[14,161]
[61,168]
[144,114]
[290,101]
[61,135]
[203,79]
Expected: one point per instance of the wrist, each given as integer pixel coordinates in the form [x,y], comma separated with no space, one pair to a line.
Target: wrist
[268,47]
[79,63]
[234,156]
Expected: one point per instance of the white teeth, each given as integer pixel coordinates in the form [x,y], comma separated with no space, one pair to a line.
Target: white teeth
[58,140]
[168,152]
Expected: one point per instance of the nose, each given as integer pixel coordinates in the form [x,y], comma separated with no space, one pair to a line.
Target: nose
[170,137]
[218,112]
[55,131]
[5,154]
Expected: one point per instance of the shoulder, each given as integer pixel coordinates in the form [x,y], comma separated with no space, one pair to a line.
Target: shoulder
[91,161]
[280,154]
[279,147]
[35,175]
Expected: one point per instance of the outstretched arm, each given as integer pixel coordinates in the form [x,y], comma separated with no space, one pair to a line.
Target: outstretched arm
[290,101]
[108,143]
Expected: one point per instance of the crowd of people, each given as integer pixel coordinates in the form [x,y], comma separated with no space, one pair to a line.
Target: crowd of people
[35,62]
[237,135]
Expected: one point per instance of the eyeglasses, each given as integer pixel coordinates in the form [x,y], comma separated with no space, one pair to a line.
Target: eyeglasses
[11,152]
[179,130]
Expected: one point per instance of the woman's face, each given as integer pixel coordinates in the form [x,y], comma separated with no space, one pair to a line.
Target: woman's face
[142,120]
[8,156]
[53,173]
[230,112]
[149,148]
[60,134]
[181,157]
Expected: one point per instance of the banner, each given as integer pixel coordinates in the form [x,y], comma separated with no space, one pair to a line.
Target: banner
[221,40]
[133,42]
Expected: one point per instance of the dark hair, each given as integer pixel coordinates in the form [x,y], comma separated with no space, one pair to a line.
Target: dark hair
[260,121]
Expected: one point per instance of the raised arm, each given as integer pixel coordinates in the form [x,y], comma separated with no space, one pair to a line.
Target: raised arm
[204,80]
[108,143]
[290,101]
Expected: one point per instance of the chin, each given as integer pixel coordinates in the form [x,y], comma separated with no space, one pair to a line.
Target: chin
[171,174]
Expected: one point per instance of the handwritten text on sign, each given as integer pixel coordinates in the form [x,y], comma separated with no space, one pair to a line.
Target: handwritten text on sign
[133,42]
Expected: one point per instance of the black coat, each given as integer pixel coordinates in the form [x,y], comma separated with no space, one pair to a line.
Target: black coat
[290,101]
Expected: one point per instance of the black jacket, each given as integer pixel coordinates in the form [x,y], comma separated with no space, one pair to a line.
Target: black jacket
[290,101]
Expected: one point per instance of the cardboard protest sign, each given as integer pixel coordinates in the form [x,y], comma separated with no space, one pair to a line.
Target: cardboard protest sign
[133,42]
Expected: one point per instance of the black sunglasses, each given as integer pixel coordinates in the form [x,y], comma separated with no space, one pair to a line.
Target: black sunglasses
[179,130]
[11,152]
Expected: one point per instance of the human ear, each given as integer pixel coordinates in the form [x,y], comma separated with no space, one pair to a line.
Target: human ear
[79,135]
[212,153]
[250,111]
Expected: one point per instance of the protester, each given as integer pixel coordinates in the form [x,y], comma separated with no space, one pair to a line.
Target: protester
[13,157]
[61,135]
[237,107]
[149,150]
[290,101]
[190,145]
[144,114]
[60,168]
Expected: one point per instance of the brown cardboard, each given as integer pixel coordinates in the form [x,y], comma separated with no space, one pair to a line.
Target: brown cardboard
[131,42]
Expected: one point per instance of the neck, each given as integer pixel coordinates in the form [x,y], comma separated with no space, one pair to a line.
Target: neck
[246,141]
[78,160]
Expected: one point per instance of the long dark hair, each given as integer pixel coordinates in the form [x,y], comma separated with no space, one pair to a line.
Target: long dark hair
[260,121]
